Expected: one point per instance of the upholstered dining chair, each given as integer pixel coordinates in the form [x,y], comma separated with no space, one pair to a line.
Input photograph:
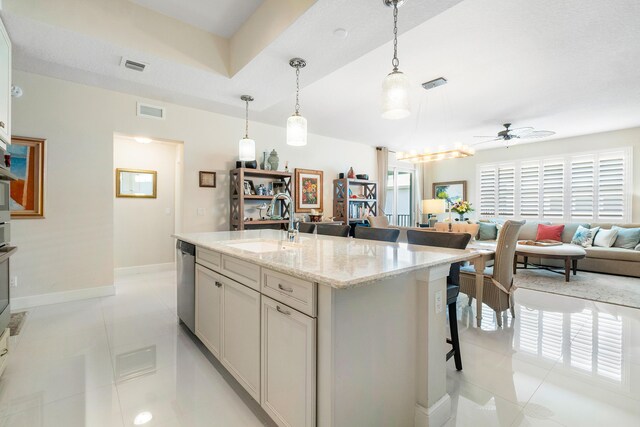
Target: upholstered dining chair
[464,227]
[453,241]
[305,227]
[442,226]
[498,280]
[380,221]
[372,233]
[333,230]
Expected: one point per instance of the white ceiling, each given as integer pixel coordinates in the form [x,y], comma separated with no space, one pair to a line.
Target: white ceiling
[221,17]
[569,66]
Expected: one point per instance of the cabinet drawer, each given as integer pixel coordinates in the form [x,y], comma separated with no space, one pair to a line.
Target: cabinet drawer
[297,293]
[208,258]
[4,349]
[241,271]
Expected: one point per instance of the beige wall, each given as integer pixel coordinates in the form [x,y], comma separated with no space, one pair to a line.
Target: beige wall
[143,227]
[73,247]
[465,169]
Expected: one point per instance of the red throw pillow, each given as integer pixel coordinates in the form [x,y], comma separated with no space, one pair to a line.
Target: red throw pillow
[550,232]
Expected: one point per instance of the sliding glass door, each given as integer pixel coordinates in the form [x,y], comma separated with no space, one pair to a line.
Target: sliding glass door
[400,197]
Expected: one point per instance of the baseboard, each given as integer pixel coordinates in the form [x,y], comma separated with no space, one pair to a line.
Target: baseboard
[21,303]
[141,269]
[437,415]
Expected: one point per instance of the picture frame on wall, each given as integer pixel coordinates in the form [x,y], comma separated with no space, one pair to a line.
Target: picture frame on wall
[27,164]
[207,179]
[309,190]
[451,191]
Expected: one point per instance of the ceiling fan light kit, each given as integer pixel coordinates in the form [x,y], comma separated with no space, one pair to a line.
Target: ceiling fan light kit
[296,124]
[414,156]
[395,87]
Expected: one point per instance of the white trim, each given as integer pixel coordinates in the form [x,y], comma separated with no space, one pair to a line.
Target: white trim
[59,297]
[141,269]
[436,415]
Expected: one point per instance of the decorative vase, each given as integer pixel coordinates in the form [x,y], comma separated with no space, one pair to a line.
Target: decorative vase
[263,164]
[461,217]
[351,173]
[273,160]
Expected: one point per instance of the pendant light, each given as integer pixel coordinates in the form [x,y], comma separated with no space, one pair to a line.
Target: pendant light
[247,146]
[296,124]
[395,88]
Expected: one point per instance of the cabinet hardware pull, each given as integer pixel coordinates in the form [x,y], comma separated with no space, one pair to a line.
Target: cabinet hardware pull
[218,284]
[288,313]
[284,288]
[4,352]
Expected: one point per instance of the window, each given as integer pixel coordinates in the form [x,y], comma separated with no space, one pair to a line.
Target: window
[400,192]
[584,187]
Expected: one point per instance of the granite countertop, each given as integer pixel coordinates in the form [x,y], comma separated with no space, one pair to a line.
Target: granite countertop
[336,261]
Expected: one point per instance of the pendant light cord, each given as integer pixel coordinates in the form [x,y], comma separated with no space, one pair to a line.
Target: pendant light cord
[395,62]
[246,122]
[297,91]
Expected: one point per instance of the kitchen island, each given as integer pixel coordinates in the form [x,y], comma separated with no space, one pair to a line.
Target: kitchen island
[327,331]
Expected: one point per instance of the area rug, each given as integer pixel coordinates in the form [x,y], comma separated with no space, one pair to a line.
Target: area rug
[591,286]
[16,322]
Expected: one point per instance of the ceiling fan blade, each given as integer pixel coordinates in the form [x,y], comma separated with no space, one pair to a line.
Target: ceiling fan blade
[485,142]
[539,134]
[485,136]
[520,132]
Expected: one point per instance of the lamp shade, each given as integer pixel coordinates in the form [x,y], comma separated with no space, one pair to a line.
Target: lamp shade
[395,96]
[296,130]
[433,206]
[247,149]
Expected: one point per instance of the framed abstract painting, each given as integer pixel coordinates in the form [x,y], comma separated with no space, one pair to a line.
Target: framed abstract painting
[27,164]
[309,190]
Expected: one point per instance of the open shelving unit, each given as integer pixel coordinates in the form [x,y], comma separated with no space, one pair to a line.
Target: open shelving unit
[353,210]
[238,201]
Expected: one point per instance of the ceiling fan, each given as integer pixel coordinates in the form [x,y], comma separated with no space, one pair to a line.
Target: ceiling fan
[509,134]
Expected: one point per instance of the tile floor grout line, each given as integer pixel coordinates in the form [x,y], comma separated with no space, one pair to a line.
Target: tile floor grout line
[111,360]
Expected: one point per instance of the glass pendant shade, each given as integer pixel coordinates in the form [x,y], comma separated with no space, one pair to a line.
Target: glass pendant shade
[247,149]
[395,96]
[297,130]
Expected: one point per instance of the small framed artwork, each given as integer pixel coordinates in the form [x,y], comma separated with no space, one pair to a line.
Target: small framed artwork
[278,187]
[207,179]
[136,183]
[452,191]
[308,190]
[27,164]
[249,188]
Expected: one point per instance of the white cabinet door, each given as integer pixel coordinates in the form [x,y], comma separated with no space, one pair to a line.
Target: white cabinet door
[5,86]
[241,335]
[208,308]
[288,365]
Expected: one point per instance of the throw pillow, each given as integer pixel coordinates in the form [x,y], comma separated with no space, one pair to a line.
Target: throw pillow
[584,236]
[638,247]
[605,238]
[487,231]
[628,238]
[550,232]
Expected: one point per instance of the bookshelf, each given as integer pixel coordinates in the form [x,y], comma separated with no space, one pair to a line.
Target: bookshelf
[351,210]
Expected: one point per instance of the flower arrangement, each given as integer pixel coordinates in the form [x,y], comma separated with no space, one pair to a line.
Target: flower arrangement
[461,207]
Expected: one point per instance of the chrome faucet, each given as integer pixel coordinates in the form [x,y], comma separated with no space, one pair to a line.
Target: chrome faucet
[292,232]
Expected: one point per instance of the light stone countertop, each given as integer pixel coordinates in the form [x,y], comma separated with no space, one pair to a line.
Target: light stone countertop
[336,261]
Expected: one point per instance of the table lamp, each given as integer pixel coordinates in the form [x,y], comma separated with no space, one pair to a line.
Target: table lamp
[433,207]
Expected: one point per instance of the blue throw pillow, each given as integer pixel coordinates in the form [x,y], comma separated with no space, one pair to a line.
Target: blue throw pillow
[584,236]
[487,231]
[628,238]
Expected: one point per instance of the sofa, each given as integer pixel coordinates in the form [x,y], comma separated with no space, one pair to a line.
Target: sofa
[613,260]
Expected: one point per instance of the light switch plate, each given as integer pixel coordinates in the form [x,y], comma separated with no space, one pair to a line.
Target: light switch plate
[439,302]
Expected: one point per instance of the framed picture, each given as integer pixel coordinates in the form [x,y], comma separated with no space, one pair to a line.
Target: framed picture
[27,164]
[136,183]
[207,179]
[249,188]
[452,191]
[309,190]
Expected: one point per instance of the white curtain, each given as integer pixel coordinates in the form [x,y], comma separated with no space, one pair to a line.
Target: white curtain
[383,168]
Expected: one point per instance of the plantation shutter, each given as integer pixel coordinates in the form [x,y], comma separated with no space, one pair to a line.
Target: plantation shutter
[506,191]
[530,190]
[611,187]
[583,187]
[488,181]
[553,189]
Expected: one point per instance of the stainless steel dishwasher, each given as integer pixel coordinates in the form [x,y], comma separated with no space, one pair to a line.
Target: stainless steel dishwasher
[187,284]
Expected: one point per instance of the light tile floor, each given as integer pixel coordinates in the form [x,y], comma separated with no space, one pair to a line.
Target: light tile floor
[116,360]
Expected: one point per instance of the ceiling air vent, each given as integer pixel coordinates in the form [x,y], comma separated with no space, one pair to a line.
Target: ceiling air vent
[133,65]
[151,111]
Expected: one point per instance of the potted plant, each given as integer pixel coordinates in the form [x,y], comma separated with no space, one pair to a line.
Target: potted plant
[462,208]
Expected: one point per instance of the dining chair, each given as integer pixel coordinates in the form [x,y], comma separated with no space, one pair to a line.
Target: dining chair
[442,226]
[453,241]
[305,227]
[333,230]
[378,221]
[463,227]
[372,233]
[497,291]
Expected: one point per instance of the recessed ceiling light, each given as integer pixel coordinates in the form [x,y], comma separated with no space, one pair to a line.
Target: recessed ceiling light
[340,33]
[142,139]
[142,418]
